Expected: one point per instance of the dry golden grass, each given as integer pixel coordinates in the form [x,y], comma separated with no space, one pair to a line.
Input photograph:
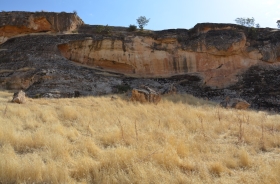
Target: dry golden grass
[97,140]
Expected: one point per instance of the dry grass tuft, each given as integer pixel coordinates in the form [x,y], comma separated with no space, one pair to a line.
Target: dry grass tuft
[216,169]
[244,158]
[96,140]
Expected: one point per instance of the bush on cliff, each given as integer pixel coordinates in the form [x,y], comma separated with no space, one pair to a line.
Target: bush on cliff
[104,29]
[132,28]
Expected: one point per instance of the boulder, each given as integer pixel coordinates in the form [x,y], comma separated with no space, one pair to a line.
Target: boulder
[235,103]
[239,104]
[145,94]
[19,97]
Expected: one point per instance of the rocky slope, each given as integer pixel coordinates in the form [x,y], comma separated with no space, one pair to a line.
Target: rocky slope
[210,60]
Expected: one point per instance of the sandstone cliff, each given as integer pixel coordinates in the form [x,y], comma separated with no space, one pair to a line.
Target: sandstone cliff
[210,60]
[18,23]
[217,53]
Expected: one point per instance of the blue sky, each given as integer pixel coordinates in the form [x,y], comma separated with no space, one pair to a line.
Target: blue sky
[163,14]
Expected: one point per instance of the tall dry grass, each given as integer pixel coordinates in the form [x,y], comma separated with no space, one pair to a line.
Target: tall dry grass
[97,140]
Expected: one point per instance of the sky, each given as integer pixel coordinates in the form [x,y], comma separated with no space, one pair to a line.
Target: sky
[163,14]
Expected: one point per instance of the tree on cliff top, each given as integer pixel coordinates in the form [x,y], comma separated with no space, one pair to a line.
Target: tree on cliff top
[249,22]
[278,23]
[142,22]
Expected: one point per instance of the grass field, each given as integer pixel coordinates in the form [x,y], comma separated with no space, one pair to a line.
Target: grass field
[96,140]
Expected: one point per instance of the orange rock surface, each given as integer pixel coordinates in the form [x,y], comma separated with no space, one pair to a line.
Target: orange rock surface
[136,56]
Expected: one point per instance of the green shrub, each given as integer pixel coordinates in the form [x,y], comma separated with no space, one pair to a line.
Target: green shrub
[104,29]
[108,29]
[132,28]
[99,28]
[252,33]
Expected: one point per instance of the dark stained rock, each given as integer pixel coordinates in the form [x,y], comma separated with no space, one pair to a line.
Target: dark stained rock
[170,90]
[76,94]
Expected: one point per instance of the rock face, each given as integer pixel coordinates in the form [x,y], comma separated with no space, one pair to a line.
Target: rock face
[18,23]
[19,97]
[212,61]
[171,90]
[217,54]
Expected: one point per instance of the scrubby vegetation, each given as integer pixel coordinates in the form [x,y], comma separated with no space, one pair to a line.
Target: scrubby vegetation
[104,29]
[132,28]
[99,140]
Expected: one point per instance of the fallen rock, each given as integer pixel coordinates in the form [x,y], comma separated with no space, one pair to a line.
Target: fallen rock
[235,103]
[145,94]
[19,97]
[240,104]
